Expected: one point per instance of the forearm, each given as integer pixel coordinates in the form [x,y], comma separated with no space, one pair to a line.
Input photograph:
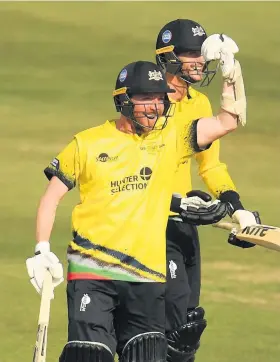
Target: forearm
[47,208]
[45,218]
[213,128]
[228,121]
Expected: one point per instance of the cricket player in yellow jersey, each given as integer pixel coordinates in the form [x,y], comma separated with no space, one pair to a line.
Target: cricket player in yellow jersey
[124,170]
[178,52]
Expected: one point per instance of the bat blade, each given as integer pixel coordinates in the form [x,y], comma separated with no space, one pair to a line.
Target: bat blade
[40,350]
[262,235]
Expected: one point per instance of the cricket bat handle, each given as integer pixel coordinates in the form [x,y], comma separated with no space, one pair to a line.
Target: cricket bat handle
[226,225]
[40,350]
[47,294]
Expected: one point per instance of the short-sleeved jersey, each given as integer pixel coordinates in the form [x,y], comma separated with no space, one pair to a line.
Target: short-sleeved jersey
[213,172]
[125,184]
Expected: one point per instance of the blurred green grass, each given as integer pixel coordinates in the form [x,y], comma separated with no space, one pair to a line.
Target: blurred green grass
[58,64]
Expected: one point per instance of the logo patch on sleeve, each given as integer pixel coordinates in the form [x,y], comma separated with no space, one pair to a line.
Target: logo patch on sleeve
[55,163]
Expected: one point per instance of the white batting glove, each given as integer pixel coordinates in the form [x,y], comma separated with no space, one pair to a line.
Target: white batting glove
[44,260]
[220,47]
[244,218]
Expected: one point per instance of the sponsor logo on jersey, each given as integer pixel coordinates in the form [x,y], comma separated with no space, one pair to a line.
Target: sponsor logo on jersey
[104,157]
[153,147]
[136,182]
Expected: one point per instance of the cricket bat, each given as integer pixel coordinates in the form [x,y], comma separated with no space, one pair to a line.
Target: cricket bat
[40,350]
[262,235]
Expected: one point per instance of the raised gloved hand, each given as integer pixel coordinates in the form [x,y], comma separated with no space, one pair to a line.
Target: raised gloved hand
[220,47]
[44,260]
[197,208]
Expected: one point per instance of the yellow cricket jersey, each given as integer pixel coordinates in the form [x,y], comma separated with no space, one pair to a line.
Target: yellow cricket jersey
[213,172]
[125,184]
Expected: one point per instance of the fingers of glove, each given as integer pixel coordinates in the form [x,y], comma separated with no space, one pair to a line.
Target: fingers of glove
[215,205]
[29,266]
[193,201]
[190,218]
[197,220]
[35,285]
[51,261]
[226,63]
[229,44]
[56,282]
[56,271]
[50,258]
[213,45]
[232,239]
[244,218]
[220,212]
[203,195]
[36,271]
[245,244]
[202,207]
[215,209]
[205,215]
[221,47]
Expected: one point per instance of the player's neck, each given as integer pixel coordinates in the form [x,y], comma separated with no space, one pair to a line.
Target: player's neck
[178,85]
[125,125]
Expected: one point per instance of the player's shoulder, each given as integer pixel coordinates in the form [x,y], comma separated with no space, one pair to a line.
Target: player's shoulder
[91,133]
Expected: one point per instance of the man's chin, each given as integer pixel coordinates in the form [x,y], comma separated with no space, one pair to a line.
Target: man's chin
[196,78]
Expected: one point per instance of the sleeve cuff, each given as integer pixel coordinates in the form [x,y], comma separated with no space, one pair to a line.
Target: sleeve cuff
[50,172]
[193,138]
